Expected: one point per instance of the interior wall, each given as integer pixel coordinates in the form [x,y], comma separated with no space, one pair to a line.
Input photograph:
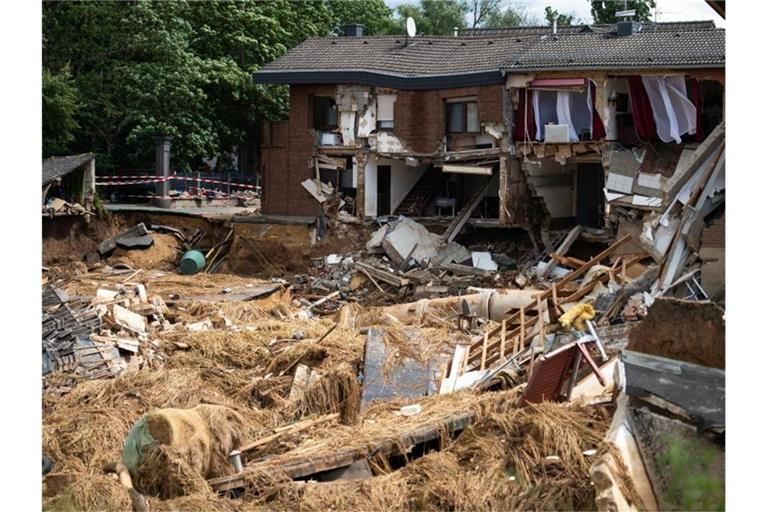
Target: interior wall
[554,183]
[371,186]
[403,179]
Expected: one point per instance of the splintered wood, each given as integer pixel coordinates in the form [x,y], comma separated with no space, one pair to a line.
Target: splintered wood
[523,325]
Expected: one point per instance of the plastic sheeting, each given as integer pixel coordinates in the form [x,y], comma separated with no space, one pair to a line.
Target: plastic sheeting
[673,112]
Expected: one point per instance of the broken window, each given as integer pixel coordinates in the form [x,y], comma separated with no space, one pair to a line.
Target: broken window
[385,115]
[325,117]
[462,117]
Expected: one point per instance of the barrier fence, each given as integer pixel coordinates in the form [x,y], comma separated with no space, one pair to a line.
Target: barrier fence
[187,183]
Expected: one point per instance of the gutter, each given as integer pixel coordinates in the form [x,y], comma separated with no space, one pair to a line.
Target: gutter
[612,68]
[401,82]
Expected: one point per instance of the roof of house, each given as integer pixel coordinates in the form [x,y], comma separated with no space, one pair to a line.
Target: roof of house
[424,62]
[666,26]
[59,166]
[660,49]
[431,62]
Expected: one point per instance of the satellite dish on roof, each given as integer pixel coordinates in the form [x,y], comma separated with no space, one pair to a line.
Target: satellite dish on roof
[410,27]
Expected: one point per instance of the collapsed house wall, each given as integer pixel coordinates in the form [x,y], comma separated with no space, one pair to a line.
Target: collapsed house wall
[288,157]
[418,128]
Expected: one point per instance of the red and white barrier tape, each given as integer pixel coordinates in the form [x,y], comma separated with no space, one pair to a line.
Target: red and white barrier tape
[160,179]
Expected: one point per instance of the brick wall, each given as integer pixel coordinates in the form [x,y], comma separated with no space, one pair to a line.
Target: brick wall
[420,115]
[288,147]
[288,157]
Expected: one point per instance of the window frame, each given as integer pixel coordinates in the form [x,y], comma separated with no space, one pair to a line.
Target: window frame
[464,110]
[332,105]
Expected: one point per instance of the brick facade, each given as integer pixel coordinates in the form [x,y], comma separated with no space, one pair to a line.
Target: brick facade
[420,115]
[288,146]
[287,151]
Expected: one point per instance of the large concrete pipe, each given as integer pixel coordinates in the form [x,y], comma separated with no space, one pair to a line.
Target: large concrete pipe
[493,305]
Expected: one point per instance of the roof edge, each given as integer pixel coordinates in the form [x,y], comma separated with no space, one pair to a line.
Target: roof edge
[381,79]
[612,68]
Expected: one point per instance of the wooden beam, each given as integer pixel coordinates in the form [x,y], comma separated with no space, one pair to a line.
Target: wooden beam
[302,467]
[288,429]
[566,244]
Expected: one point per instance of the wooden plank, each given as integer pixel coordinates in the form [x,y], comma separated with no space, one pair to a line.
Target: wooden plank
[465,270]
[679,179]
[464,215]
[369,276]
[485,346]
[566,244]
[491,357]
[289,429]
[503,338]
[383,275]
[310,465]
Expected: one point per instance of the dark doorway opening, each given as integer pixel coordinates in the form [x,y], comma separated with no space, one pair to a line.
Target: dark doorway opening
[383,188]
[589,194]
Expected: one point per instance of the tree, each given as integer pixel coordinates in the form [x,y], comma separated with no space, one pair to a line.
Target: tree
[604,11]
[60,106]
[374,14]
[563,20]
[482,10]
[511,18]
[436,17]
[171,68]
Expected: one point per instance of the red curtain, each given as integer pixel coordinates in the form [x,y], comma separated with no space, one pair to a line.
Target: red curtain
[598,129]
[520,119]
[642,112]
[694,94]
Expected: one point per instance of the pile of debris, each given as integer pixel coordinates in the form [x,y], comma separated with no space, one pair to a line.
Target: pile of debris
[54,207]
[98,337]
[402,261]
[355,385]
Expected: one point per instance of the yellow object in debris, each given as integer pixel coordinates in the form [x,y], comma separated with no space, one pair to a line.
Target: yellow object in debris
[577,316]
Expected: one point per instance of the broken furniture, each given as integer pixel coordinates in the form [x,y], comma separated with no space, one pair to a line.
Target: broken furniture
[554,374]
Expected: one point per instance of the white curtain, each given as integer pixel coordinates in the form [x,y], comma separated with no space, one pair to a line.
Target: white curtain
[673,112]
[571,108]
[544,110]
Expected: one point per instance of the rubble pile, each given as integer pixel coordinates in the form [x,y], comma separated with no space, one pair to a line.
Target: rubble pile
[54,207]
[383,376]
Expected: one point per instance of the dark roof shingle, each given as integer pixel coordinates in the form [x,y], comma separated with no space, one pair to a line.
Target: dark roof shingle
[58,166]
[693,48]
[422,56]
[442,62]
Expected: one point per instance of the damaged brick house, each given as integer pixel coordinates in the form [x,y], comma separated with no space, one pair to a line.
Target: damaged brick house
[520,126]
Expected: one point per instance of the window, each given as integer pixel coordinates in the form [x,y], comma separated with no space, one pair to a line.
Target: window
[462,117]
[385,115]
[325,117]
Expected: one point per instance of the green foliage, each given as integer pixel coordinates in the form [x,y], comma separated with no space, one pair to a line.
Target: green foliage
[60,106]
[374,14]
[482,10]
[170,68]
[563,20]
[436,17]
[691,484]
[604,11]
[510,18]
